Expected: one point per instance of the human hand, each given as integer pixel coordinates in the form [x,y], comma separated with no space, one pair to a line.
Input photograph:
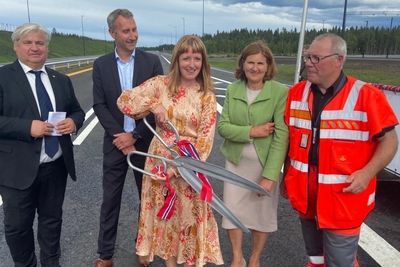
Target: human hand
[41,128]
[262,130]
[267,184]
[66,126]
[159,173]
[123,140]
[128,150]
[160,113]
[358,180]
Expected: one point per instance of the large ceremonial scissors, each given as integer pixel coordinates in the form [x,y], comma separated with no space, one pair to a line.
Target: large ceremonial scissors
[188,167]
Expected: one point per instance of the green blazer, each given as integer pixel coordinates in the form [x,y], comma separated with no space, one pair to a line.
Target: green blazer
[237,118]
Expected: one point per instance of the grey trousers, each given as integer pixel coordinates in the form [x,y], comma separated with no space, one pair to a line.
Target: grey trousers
[337,250]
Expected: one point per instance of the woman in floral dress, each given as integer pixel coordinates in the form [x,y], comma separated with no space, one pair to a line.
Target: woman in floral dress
[185,97]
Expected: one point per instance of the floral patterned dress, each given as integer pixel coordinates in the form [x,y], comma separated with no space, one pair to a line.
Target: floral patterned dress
[191,235]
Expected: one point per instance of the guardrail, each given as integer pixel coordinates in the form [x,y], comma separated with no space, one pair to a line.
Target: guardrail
[57,63]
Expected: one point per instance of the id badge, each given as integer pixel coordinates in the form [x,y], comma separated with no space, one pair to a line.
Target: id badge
[304,140]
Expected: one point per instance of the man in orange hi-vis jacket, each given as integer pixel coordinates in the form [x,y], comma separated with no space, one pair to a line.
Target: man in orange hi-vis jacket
[341,135]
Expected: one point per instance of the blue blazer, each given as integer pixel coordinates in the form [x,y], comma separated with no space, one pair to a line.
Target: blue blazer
[19,151]
[107,88]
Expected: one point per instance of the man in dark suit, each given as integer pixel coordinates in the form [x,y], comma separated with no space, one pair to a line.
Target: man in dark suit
[122,69]
[34,164]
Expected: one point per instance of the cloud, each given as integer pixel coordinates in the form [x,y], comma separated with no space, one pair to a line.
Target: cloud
[161,21]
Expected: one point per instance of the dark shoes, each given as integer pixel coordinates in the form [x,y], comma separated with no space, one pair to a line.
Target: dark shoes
[103,263]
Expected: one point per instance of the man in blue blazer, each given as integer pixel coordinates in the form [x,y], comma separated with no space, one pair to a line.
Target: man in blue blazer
[122,69]
[32,177]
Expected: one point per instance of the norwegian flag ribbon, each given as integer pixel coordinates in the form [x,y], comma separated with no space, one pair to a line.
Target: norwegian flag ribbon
[187,149]
[168,208]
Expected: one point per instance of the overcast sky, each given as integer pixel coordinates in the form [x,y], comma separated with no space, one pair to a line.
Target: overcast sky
[163,21]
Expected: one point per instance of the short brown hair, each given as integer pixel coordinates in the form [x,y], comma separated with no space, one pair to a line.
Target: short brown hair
[252,49]
[112,17]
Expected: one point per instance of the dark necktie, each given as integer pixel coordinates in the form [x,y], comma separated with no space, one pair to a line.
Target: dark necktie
[50,142]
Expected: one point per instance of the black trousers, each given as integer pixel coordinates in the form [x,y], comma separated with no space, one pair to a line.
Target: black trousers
[115,168]
[45,196]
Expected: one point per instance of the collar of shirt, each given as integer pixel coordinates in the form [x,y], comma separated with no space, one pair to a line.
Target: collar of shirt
[27,68]
[118,58]
[334,88]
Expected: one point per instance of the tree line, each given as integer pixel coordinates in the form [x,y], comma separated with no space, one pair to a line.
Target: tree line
[360,40]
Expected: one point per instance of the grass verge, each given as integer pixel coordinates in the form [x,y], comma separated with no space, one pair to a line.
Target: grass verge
[375,71]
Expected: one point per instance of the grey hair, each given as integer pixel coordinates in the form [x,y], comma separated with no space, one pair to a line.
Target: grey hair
[115,14]
[26,28]
[339,45]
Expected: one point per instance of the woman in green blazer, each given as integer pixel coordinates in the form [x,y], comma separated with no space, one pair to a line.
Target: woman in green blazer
[255,145]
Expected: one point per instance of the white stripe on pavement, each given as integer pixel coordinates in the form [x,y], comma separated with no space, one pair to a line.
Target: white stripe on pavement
[377,247]
[82,136]
[89,113]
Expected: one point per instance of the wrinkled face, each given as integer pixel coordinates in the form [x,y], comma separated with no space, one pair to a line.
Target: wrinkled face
[329,65]
[32,49]
[190,65]
[254,67]
[125,34]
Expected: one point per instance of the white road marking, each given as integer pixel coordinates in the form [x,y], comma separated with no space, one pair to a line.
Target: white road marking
[378,248]
[85,133]
[219,107]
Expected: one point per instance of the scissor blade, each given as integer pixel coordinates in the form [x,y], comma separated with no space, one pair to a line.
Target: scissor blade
[216,203]
[220,173]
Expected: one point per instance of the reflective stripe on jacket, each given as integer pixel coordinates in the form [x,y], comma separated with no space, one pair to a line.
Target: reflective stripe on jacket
[348,124]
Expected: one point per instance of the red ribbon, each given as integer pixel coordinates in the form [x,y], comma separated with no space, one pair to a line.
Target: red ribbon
[168,208]
[187,149]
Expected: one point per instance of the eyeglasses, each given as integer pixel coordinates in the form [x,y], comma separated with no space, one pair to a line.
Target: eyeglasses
[316,59]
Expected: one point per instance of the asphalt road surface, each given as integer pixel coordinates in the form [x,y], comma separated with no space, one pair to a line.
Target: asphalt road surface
[379,244]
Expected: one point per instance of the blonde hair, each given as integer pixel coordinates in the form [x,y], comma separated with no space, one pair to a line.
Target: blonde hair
[186,43]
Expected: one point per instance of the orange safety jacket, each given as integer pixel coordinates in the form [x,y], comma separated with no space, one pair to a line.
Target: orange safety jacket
[351,119]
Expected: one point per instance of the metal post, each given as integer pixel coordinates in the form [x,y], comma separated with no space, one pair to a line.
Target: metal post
[344,18]
[29,15]
[301,42]
[83,38]
[176,33]
[202,31]
[389,35]
[183,25]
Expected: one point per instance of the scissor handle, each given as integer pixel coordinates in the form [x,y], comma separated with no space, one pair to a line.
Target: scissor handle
[162,159]
[172,127]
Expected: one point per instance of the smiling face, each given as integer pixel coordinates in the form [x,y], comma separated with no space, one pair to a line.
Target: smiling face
[255,67]
[125,35]
[31,49]
[190,66]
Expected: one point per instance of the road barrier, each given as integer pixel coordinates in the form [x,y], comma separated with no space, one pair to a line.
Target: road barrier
[58,63]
